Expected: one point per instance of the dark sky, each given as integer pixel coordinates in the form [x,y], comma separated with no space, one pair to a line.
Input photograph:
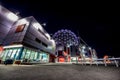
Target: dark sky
[96,24]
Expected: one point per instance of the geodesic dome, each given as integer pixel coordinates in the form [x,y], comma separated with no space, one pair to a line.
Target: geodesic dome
[65,37]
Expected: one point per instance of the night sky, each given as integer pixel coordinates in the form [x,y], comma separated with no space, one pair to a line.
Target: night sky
[97,26]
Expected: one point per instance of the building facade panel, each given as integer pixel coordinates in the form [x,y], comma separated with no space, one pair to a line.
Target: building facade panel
[5,22]
[25,40]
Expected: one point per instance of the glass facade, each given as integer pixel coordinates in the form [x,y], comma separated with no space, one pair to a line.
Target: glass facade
[24,54]
[29,55]
[10,53]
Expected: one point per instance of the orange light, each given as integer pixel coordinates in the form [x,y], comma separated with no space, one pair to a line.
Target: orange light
[106,60]
[1,49]
[61,59]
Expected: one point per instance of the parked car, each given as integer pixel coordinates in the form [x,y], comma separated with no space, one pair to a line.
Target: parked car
[8,61]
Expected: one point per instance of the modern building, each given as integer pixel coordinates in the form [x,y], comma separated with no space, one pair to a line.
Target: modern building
[7,19]
[66,42]
[24,39]
[69,48]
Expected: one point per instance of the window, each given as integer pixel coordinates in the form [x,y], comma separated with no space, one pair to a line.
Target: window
[32,55]
[39,41]
[17,54]
[23,54]
[27,54]
[35,56]
[20,28]
[5,54]
[13,53]
[9,54]
[44,44]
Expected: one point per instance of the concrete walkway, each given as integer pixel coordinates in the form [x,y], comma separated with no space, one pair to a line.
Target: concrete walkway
[58,72]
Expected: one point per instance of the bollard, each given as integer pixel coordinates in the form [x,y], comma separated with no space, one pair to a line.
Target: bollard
[96,62]
[91,61]
[105,62]
[105,59]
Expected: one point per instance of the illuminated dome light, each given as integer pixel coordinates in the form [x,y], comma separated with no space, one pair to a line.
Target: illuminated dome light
[65,37]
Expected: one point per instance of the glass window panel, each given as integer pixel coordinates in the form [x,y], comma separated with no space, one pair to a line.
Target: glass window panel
[44,56]
[35,56]
[4,56]
[32,55]
[13,53]
[40,55]
[27,54]
[9,54]
[18,51]
[23,54]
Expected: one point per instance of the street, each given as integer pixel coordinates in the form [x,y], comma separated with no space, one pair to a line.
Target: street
[59,72]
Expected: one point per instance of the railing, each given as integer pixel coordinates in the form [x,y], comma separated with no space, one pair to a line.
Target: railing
[99,61]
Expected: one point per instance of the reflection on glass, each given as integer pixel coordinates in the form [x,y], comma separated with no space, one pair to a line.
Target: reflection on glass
[13,53]
[5,54]
[18,51]
[23,54]
[32,55]
[35,56]
[45,57]
[41,56]
[9,54]
[27,54]
[2,54]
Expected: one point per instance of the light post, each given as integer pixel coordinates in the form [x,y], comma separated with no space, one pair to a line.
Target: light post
[91,56]
[83,53]
[44,24]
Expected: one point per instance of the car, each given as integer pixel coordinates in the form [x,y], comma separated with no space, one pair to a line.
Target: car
[8,61]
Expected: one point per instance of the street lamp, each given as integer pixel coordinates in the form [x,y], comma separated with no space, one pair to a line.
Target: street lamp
[44,24]
[83,47]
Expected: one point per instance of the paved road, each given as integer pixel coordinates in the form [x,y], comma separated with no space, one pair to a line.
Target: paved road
[58,72]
